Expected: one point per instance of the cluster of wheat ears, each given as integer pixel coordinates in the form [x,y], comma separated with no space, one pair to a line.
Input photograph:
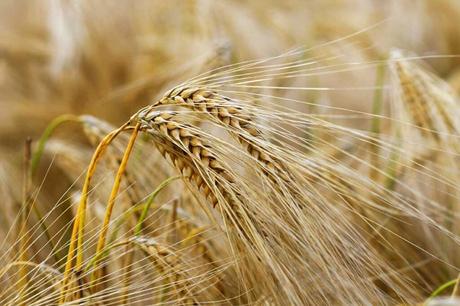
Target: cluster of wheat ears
[241,186]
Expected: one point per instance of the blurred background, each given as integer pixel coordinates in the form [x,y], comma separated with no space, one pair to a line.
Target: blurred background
[109,58]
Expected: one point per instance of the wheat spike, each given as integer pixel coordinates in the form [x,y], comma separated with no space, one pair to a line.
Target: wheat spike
[238,120]
[189,153]
[178,272]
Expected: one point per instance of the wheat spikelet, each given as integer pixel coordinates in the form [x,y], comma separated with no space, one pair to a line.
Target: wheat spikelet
[428,100]
[189,154]
[413,95]
[180,273]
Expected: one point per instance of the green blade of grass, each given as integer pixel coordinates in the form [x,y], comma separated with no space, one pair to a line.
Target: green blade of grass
[148,203]
[55,123]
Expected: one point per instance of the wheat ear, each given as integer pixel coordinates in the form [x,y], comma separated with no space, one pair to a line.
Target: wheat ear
[189,153]
[236,119]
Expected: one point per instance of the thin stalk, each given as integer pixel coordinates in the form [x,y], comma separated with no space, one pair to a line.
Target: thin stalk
[457,282]
[440,289]
[35,162]
[377,106]
[137,232]
[391,171]
[78,226]
[109,209]
[25,210]
[148,203]
[56,122]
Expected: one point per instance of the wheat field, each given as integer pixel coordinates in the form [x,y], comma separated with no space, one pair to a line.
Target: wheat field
[229,152]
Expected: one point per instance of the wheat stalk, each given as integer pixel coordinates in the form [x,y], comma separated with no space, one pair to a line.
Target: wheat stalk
[76,239]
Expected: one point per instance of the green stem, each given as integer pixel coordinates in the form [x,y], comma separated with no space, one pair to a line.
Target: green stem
[56,122]
[138,228]
[100,255]
[440,289]
[377,106]
[35,161]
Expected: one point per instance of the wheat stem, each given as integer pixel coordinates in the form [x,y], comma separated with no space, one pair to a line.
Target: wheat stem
[148,203]
[111,202]
[55,123]
[76,239]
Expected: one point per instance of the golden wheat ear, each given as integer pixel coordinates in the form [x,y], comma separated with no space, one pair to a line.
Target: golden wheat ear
[190,154]
[430,104]
[193,155]
[260,225]
[231,115]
